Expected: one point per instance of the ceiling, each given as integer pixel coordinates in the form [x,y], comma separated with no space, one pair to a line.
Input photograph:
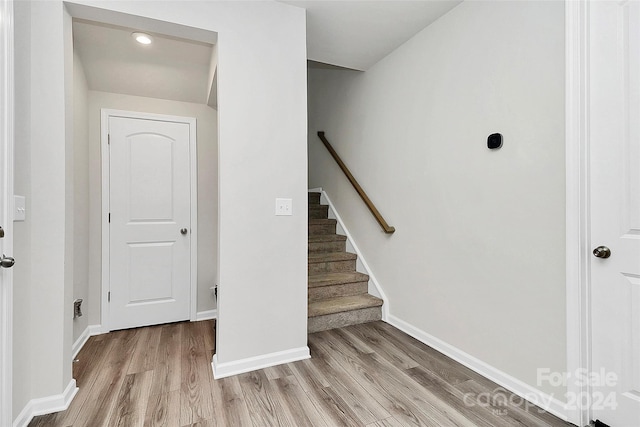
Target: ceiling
[357,34]
[169,68]
[348,33]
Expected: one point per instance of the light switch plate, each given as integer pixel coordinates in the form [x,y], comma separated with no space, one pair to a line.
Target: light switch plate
[20,209]
[284,207]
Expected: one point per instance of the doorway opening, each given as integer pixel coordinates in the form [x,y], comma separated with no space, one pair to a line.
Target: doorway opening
[173,78]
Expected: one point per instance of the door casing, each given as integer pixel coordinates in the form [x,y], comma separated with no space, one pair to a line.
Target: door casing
[193,180]
[6,191]
[578,232]
[578,193]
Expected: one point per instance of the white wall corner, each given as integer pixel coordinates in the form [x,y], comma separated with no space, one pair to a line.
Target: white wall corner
[212,97]
[508,382]
[46,405]
[89,331]
[80,342]
[206,315]
[361,263]
[222,370]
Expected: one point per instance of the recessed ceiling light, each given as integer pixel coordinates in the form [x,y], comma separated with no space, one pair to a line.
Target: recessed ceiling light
[142,38]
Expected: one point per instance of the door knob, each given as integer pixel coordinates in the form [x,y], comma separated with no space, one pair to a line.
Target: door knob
[183,231]
[602,252]
[7,261]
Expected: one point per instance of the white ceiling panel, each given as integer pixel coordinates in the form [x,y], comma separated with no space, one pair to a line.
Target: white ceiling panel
[357,34]
[169,68]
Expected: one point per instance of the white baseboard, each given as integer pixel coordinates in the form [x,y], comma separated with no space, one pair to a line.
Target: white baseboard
[90,331]
[222,370]
[206,315]
[80,342]
[46,405]
[514,385]
[361,263]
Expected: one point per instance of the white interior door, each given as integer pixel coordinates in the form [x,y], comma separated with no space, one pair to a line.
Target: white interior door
[150,230]
[615,210]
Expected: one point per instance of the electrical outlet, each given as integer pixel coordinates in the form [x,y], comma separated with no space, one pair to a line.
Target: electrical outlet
[77,308]
[284,207]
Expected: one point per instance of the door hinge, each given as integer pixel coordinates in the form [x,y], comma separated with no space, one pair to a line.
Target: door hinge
[109,296]
[109,217]
[108,138]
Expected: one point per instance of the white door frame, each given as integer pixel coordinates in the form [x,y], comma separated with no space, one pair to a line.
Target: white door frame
[6,181]
[193,166]
[578,238]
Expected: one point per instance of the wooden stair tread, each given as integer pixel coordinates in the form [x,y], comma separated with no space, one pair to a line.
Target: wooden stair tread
[327,238]
[330,257]
[342,304]
[329,279]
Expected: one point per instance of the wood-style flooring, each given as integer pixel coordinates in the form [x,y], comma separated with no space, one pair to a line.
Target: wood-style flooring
[363,375]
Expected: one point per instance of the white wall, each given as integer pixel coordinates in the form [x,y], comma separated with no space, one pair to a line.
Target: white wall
[22,324]
[207,147]
[478,256]
[262,155]
[43,272]
[81,193]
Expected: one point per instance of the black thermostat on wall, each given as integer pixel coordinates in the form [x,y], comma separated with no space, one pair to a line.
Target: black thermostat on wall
[494,141]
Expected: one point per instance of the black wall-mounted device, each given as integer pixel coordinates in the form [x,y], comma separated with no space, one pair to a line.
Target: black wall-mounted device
[494,141]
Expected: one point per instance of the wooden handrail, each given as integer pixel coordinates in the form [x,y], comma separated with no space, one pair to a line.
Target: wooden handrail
[367,201]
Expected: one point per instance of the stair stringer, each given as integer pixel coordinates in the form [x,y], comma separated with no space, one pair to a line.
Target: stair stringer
[374,287]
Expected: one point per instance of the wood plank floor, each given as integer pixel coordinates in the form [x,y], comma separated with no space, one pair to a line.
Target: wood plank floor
[364,375]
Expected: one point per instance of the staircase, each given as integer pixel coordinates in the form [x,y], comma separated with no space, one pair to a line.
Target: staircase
[337,292]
